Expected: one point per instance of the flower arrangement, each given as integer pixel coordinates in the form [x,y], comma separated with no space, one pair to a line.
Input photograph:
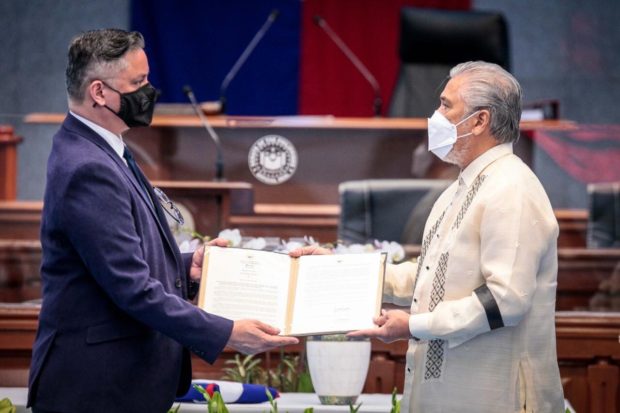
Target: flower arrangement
[395,251]
[215,403]
[291,374]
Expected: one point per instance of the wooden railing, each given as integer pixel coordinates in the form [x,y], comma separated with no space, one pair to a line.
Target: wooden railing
[8,163]
[587,345]
[330,150]
[22,219]
[210,205]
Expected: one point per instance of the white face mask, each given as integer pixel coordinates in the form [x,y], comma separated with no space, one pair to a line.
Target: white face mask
[442,134]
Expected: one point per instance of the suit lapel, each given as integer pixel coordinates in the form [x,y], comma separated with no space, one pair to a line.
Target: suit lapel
[73,124]
[160,215]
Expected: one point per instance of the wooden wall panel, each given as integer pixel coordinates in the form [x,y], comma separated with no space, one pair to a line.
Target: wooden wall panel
[587,344]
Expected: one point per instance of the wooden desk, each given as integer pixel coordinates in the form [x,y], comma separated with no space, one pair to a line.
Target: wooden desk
[581,273]
[8,162]
[330,150]
[20,264]
[587,346]
[573,227]
[589,359]
[321,222]
[20,219]
[290,220]
[210,203]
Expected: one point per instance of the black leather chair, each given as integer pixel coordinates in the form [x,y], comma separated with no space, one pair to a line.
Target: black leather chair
[386,209]
[604,215]
[432,41]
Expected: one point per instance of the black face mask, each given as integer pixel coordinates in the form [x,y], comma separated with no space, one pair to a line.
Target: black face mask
[136,107]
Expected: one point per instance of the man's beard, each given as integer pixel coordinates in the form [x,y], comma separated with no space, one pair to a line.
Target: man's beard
[455,157]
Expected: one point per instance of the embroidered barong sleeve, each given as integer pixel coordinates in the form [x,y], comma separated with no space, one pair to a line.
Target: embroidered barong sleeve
[398,283]
[517,229]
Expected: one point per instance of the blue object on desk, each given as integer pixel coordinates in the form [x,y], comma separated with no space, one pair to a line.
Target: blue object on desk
[232,392]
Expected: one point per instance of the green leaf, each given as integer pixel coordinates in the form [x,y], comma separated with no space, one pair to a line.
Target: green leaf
[395,402]
[6,406]
[304,384]
[175,410]
[244,370]
[218,403]
[202,391]
[272,402]
[354,409]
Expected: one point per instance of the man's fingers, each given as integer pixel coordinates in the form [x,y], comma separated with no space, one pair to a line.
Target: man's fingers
[218,242]
[271,330]
[272,335]
[277,341]
[371,332]
[297,252]
[253,336]
[379,320]
[309,250]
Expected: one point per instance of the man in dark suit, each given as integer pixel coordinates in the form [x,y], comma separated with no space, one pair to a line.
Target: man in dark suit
[116,328]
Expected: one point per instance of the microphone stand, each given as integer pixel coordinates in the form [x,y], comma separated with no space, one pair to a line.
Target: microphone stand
[377,102]
[219,163]
[244,56]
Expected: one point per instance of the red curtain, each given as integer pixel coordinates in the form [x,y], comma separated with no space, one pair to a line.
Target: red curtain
[329,83]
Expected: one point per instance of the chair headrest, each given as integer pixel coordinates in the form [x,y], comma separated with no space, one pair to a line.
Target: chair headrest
[451,37]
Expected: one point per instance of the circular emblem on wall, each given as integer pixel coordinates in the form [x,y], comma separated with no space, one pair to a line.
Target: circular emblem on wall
[272,159]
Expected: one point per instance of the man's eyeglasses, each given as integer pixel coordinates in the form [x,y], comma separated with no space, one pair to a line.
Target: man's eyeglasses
[169,206]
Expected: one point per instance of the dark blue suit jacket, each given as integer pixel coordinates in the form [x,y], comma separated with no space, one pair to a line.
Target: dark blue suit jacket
[115,324]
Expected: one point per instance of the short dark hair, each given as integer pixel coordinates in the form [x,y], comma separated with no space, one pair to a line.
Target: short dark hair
[97,53]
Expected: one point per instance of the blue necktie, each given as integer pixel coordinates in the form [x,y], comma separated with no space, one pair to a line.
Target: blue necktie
[133,166]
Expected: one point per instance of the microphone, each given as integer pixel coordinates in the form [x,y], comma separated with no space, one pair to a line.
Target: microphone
[219,163]
[244,56]
[319,21]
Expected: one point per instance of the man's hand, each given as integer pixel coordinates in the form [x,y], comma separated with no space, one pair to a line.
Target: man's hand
[195,271]
[392,325]
[253,336]
[309,250]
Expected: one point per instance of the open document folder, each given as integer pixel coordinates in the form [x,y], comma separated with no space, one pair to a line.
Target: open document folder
[312,294]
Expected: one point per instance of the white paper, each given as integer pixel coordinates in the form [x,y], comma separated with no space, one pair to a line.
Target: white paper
[241,286]
[336,293]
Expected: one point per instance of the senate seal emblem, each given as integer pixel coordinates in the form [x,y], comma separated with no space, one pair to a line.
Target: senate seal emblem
[272,159]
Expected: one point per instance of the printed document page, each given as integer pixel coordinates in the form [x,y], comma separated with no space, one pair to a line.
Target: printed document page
[243,283]
[337,293]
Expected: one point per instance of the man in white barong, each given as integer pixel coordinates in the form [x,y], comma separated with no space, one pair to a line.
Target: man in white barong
[481,328]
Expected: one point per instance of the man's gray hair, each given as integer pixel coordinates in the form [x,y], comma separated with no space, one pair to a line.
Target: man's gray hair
[97,54]
[489,86]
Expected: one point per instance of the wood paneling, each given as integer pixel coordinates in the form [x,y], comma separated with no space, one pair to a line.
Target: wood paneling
[330,150]
[589,358]
[587,345]
[21,219]
[210,203]
[8,163]
[20,262]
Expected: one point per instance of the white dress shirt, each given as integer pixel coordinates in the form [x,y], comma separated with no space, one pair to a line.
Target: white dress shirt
[488,259]
[114,140]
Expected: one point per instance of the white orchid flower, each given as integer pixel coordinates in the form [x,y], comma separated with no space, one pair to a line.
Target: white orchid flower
[255,243]
[232,235]
[189,245]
